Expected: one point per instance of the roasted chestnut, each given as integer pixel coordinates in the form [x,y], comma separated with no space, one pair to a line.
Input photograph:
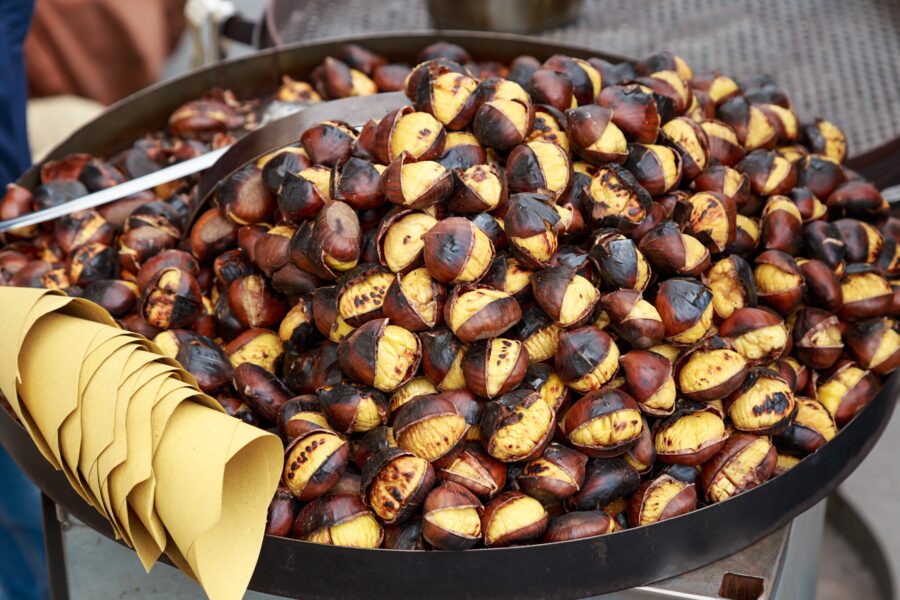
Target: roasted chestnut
[503,123]
[531,225]
[763,404]
[875,345]
[476,470]
[622,265]
[478,188]
[566,297]
[633,318]
[846,390]
[314,462]
[254,304]
[586,358]
[711,370]
[732,285]
[431,427]
[258,346]
[615,198]
[811,428]
[512,518]
[634,111]
[779,281]
[171,299]
[686,309]
[380,355]
[517,426]
[495,366]
[456,251]
[744,462]
[395,483]
[660,499]
[672,252]
[826,138]
[540,167]
[759,335]
[606,480]
[353,408]
[782,225]
[656,168]
[693,434]
[866,294]
[451,517]
[817,337]
[338,520]
[442,355]
[555,475]
[477,312]
[724,146]
[603,423]
[595,137]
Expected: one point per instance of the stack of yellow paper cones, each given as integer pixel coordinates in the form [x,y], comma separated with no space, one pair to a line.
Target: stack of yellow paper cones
[137,439]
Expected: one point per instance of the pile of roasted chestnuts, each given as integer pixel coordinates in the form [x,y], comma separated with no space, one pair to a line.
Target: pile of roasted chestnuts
[548,300]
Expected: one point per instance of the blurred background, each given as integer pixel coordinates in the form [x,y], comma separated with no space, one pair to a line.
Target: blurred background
[836,58]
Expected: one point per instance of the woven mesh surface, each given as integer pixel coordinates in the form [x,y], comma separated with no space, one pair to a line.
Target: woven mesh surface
[838,59]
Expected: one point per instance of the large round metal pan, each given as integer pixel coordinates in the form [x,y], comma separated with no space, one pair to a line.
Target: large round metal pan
[554,571]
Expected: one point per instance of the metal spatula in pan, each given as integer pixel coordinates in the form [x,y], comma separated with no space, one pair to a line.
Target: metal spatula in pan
[223,162]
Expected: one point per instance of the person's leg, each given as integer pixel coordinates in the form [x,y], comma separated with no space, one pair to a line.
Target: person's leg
[23,570]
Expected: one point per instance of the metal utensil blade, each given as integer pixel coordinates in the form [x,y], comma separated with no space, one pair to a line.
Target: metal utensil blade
[117,192]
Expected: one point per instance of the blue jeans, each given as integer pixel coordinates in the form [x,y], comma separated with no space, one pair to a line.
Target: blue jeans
[23,568]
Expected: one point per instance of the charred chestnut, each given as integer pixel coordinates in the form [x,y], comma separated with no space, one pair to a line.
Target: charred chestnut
[686,309]
[380,355]
[672,252]
[811,428]
[395,483]
[731,282]
[586,358]
[442,355]
[353,408]
[782,226]
[171,299]
[763,404]
[314,462]
[517,426]
[745,462]
[456,251]
[606,480]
